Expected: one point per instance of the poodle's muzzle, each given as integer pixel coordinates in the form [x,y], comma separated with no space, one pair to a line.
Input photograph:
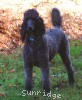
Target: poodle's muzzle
[30,25]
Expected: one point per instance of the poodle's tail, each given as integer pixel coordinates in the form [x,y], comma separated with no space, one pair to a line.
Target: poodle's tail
[56,17]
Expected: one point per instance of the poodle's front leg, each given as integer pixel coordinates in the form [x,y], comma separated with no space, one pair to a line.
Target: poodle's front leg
[45,78]
[28,76]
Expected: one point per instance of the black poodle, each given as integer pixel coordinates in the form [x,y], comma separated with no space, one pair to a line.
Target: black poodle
[40,46]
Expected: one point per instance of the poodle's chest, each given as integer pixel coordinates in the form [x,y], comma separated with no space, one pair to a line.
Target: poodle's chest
[32,53]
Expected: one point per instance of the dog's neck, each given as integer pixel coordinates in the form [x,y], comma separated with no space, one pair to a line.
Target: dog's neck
[34,38]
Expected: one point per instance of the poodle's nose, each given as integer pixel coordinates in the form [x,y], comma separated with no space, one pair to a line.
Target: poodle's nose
[30,25]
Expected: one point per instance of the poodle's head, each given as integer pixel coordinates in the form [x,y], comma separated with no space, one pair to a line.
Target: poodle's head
[32,25]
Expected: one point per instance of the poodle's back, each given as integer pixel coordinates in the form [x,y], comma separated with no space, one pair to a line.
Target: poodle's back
[54,38]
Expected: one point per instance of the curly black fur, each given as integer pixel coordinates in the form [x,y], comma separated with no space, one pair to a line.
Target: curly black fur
[56,17]
[40,47]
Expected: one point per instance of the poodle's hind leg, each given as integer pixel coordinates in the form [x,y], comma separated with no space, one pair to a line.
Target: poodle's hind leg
[65,55]
[28,70]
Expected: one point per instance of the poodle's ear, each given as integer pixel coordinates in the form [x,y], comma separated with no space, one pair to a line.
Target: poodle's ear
[23,30]
[40,26]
